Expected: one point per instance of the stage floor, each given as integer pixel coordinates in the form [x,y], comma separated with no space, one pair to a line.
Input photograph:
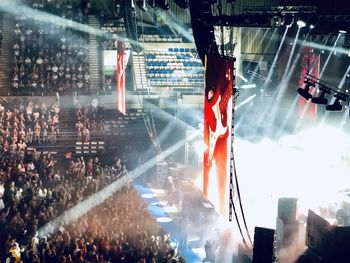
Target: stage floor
[181,221]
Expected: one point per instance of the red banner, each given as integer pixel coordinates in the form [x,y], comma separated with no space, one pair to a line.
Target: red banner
[217,130]
[120,77]
[310,63]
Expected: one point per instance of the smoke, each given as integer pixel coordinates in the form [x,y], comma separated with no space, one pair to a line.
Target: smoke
[15,9]
[291,253]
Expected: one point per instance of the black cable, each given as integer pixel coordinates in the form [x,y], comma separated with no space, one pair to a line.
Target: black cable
[232,206]
[235,96]
[231,202]
[240,202]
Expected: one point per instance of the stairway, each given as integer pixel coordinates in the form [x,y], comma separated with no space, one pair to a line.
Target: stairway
[6,53]
[94,55]
[140,71]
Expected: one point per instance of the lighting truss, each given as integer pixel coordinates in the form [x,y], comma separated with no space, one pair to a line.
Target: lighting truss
[282,10]
[259,76]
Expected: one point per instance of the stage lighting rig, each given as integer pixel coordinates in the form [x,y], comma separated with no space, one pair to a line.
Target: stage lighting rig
[340,96]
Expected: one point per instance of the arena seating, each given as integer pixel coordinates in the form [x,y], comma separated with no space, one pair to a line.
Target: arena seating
[174,67]
[49,58]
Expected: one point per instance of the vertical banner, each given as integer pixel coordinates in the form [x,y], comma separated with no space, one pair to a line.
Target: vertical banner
[310,63]
[217,130]
[120,77]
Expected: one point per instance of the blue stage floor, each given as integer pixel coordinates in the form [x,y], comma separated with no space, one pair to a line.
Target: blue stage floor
[173,227]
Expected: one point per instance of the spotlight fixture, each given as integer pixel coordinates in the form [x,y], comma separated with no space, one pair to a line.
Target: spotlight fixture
[301,23]
[342,31]
[336,106]
[276,21]
[306,92]
[339,95]
[312,26]
[182,3]
[321,99]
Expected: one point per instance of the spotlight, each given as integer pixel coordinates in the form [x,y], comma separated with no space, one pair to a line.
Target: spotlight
[312,26]
[336,106]
[321,99]
[342,31]
[182,3]
[276,21]
[305,92]
[301,23]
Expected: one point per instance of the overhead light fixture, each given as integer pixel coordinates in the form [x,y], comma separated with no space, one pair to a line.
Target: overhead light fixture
[339,95]
[306,92]
[321,99]
[276,21]
[301,23]
[182,3]
[336,106]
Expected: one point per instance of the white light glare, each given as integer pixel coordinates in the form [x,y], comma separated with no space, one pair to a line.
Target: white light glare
[248,86]
[342,31]
[312,26]
[242,78]
[301,23]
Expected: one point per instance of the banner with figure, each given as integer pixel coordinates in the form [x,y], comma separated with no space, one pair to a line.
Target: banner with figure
[219,77]
[120,77]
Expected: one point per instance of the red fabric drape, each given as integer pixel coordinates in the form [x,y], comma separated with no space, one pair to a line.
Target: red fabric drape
[310,63]
[120,77]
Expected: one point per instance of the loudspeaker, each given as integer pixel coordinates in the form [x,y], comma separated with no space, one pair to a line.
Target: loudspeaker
[263,245]
[287,209]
